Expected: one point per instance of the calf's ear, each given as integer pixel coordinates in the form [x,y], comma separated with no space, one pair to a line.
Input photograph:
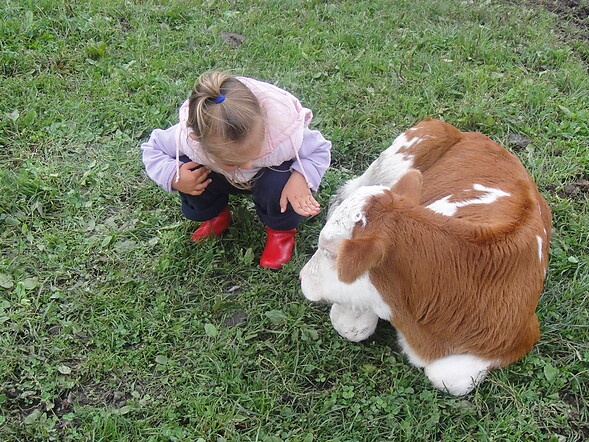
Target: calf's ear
[409,185]
[357,256]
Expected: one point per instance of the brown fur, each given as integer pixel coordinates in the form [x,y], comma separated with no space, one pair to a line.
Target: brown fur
[467,283]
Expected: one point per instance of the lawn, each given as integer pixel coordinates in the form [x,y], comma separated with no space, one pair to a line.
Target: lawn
[115,327]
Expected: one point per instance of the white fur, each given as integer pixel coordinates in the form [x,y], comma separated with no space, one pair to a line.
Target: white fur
[344,217]
[540,241]
[319,282]
[445,207]
[353,325]
[385,170]
[411,355]
[458,374]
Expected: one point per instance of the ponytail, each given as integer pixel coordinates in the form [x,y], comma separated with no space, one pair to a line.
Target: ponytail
[222,108]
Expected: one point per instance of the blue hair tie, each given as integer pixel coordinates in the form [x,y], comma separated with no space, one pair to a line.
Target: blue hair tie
[219,99]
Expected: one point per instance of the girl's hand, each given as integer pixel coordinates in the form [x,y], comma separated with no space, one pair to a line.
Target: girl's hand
[297,193]
[192,182]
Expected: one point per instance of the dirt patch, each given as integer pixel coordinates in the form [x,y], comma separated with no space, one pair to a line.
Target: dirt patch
[575,190]
[576,10]
[568,12]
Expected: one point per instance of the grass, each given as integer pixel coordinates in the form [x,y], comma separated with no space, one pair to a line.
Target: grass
[115,327]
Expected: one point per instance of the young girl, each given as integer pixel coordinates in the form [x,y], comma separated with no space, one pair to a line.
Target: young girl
[240,135]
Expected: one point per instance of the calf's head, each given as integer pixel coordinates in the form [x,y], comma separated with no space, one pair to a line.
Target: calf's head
[350,244]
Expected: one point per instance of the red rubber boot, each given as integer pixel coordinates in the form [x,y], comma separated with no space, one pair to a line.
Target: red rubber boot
[278,249]
[215,226]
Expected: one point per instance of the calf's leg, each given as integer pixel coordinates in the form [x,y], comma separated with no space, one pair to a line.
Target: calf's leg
[458,374]
[354,325]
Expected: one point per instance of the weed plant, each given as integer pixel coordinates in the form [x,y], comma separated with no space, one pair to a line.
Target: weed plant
[114,326]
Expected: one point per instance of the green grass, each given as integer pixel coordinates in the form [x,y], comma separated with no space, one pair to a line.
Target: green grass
[113,326]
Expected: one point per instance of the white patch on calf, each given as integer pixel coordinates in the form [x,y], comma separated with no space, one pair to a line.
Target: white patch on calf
[413,358]
[319,282]
[458,374]
[492,193]
[384,171]
[344,217]
[402,142]
[445,207]
[540,241]
[391,165]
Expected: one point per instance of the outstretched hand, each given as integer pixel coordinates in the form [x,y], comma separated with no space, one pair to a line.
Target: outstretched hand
[192,181]
[297,193]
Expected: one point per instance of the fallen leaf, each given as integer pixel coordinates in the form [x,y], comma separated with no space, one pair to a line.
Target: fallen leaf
[161,359]
[6,281]
[550,372]
[32,417]
[211,330]
[276,316]
[64,369]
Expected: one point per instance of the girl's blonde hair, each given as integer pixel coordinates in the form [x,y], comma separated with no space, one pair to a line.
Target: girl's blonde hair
[230,119]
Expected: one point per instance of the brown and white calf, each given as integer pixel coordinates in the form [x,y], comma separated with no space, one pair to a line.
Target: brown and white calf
[446,236]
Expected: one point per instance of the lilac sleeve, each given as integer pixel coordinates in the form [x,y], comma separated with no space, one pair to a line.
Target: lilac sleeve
[315,155]
[159,156]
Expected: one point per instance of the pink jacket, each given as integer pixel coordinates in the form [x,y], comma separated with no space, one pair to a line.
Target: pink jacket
[287,137]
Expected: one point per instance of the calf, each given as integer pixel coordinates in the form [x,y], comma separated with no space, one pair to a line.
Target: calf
[446,236]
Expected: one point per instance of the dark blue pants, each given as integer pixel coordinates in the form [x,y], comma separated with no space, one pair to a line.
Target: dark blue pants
[266,193]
